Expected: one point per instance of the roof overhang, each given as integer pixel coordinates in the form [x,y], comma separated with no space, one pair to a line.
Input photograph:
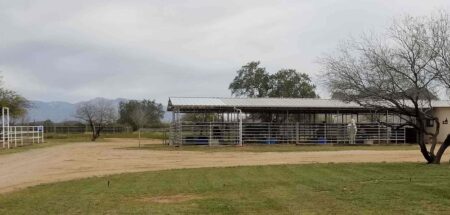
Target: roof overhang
[199,104]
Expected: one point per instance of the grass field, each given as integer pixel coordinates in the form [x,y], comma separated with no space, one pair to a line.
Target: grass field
[53,139]
[286,189]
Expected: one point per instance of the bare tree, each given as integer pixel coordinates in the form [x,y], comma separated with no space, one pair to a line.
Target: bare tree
[140,117]
[399,71]
[98,114]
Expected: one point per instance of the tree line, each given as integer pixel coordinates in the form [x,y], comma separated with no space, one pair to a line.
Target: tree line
[138,114]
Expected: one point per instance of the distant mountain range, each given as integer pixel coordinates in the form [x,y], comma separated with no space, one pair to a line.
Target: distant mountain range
[65,111]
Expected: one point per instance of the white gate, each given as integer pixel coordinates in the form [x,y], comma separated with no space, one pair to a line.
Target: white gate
[13,136]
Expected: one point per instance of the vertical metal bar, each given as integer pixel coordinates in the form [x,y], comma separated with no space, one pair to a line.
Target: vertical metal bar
[240,128]
[32,133]
[15,136]
[21,135]
[396,136]
[42,130]
[181,127]
[171,130]
[38,135]
[404,135]
[210,134]
[3,127]
[7,126]
[325,128]
[379,135]
[296,133]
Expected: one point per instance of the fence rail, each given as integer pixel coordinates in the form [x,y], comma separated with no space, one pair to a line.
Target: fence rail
[13,136]
[84,129]
[292,133]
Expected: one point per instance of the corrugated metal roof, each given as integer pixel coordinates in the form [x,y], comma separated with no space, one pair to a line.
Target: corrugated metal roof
[440,103]
[292,103]
[258,103]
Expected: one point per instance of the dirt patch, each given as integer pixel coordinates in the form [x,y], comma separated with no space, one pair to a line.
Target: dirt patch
[87,159]
[169,199]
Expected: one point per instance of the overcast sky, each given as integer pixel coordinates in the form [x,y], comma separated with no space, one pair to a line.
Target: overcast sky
[54,50]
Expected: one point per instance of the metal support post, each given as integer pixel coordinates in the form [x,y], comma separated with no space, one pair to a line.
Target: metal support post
[379,135]
[240,125]
[404,135]
[42,134]
[32,135]
[15,136]
[38,135]
[3,128]
[21,135]
[210,134]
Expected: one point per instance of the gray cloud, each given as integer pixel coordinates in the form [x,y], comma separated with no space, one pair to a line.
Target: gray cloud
[76,50]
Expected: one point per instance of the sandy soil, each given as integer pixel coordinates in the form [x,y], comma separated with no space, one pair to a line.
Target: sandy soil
[81,160]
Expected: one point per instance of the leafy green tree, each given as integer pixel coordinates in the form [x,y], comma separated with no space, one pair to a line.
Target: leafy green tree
[251,81]
[254,81]
[138,114]
[289,83]
[17,104]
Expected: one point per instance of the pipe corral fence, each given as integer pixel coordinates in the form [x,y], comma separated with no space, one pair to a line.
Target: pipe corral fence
[14,136]
[236,126]
[215,133]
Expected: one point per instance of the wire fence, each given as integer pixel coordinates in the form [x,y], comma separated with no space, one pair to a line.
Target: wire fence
[85,129]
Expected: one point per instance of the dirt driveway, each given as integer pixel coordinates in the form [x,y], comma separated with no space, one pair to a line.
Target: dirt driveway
[81,160]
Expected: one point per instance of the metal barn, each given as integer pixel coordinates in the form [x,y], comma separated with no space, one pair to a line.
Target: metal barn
[278,120]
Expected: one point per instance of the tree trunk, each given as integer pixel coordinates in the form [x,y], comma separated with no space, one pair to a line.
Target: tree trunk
[97,135]
[94,133]
[441,150]
[421,142]
[436,133]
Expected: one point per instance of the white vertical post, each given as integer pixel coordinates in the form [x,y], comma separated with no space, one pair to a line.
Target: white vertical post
[3,128]
[38,135]
[15,136]
[32,135]
[21,135]
[240,125]
[7,128]
[42,135]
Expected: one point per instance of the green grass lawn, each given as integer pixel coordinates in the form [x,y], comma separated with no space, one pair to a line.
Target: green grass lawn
[407,188]
[277,148]
[53,139]
[50,140]
[48,143]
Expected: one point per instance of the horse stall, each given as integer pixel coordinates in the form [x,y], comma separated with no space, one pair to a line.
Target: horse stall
[238,121]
